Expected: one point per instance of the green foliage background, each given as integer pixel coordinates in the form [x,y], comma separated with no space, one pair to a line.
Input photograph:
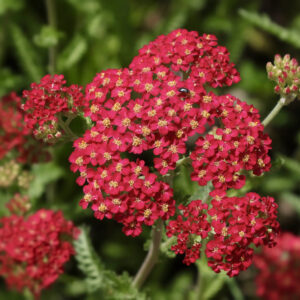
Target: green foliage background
[93,35]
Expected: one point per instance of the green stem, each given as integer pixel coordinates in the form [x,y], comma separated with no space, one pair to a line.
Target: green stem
[281,103]
[151,257]
[72,136]
[50,5]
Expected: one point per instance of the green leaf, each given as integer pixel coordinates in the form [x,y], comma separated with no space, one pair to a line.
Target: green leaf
[26,54]
[9,82]
[97,278]
[202,192]
[292,165]
[6,5]
[48,37]
[72,54]
[43,174]
[264,22]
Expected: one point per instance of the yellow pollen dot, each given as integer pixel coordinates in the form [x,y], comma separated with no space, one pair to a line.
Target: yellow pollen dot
[121,94]
[224,231]
[216,249]
[106,81]
[104,138]
[173,149]
[162,123]
[241,233]
[184,41]
[253,222]
[126,122]
[94,108]
[117,106]
[161,74]
[171,113]
[137,170]
[194,124]
[116,201]
[87,197]
[83,174]
[179,133]
[238,108]
[113,184]
[136,141]
[187,106]
[207,99]
[202,173]
[119,167]
[107,156]
[146,130]
[172,83]
[171,93]
[201,74]
[156,60]
[79,161]
[96,185]
[178,34]
[236,144]
[94,133]
[218,198]
[152,113]
[214,217]
[102,207]
[106,122]
[82,145]
[242,258]
[221,178]
[91,89]
[187,51]
[117,142]
[224,113]
[165,207]
[227,130]
[261,163]
[179,61]
[147,184]
[131,182]
[206,145]
[199,45]
[146,69]
[164,163]
[252,124]
[157,144]
[137,108]
[159,102]
[250,139]
[119,82]
[147,213]
[235,177]
[137,82]
[220,148]
[93,154]
[246,158]
[148,87]
[98,94]
[234,163]
[205,114]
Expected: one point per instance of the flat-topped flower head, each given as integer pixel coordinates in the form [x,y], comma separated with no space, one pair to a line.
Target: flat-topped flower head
[49,100]
[34,250]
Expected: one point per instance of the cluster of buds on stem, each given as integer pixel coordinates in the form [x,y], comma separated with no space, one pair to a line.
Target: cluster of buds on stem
[286,73]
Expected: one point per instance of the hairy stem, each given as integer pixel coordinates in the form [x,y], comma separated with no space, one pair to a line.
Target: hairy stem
[50,6]
[151,257]
[282,102]
[65,126]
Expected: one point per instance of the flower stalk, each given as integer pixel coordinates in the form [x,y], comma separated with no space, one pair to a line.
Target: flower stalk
[151,257]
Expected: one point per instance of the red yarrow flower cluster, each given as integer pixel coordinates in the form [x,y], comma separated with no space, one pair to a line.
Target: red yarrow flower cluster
[34,250]
[279,269]
[49,100]
[13,130]
[233,225]
[154,108]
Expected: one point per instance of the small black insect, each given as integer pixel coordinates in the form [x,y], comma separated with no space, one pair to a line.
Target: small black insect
[183,90]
